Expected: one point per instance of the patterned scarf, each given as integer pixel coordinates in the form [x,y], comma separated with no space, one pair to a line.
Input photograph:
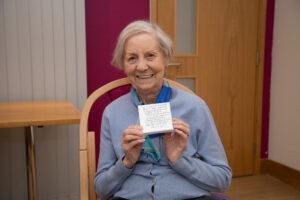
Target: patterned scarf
[164,96]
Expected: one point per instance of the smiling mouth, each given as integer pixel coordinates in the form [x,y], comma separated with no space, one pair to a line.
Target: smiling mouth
[144,76]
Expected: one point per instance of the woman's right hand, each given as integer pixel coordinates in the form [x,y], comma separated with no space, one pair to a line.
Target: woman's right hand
[132,142]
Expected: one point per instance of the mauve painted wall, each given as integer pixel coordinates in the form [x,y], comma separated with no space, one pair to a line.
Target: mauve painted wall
[267,79]
[104,21]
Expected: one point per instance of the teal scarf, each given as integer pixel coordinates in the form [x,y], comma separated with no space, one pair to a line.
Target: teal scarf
[164,96]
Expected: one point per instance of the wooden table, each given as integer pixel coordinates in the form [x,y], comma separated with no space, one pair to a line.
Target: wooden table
[37,113]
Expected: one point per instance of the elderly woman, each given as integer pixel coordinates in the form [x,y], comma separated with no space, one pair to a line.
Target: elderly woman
[188,164]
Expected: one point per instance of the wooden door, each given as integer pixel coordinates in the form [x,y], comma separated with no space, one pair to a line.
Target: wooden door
[222,68]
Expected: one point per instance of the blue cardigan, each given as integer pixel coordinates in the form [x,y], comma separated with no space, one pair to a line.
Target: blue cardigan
[202,168]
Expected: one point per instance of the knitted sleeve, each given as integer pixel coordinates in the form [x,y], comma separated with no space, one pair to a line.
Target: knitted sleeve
[111,172]
[208,167]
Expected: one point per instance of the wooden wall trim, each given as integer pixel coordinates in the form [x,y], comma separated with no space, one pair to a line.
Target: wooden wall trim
[153,11]
[282,172]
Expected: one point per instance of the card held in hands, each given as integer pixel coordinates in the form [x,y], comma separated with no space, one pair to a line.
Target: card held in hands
[155,118]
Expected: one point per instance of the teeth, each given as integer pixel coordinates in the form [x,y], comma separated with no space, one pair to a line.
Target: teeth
[144,76]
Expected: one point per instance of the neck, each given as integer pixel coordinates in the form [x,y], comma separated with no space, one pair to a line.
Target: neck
[147,97]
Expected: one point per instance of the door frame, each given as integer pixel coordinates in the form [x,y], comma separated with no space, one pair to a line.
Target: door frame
[259,77]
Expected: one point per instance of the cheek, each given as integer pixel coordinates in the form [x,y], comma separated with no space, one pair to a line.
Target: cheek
[160,70]
[162,73]
[158,67]
[161,66]
[128,70]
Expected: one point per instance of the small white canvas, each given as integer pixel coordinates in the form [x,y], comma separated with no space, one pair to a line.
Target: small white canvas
[155,118]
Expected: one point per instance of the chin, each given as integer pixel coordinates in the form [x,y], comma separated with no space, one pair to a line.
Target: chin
[148,87]
[144,88]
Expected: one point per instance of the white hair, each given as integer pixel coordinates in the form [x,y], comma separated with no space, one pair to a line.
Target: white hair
[165,44]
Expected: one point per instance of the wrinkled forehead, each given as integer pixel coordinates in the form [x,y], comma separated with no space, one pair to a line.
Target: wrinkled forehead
[152,35]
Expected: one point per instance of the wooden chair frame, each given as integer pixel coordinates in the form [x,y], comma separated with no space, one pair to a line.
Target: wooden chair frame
[87,157]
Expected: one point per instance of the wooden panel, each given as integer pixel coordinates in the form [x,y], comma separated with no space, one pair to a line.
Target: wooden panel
[153,9]
[225,70]
[227,75]
[167,21]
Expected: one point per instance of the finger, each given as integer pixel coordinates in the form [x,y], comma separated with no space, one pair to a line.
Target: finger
[178,124]
[133,131]
[182,128]
[130,138]
[177,121]
[181,133]
[135,127]
[132,144]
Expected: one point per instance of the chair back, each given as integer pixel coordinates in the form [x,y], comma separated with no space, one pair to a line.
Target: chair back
[87,153]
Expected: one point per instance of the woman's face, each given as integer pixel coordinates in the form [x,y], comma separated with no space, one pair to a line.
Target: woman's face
[144,64]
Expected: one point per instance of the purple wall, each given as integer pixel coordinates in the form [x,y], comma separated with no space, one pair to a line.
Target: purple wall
[267,79]
[104,21]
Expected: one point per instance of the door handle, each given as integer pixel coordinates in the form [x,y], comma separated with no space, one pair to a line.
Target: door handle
[174,64]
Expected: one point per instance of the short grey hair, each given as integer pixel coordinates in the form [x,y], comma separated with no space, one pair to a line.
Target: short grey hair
[165,44]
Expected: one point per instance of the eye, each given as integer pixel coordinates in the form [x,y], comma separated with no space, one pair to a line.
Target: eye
[150,56]
[131,59]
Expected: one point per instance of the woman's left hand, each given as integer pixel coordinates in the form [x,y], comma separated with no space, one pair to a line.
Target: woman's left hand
[176,144]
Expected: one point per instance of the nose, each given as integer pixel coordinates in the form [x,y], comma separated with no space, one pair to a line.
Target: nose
[142,65]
